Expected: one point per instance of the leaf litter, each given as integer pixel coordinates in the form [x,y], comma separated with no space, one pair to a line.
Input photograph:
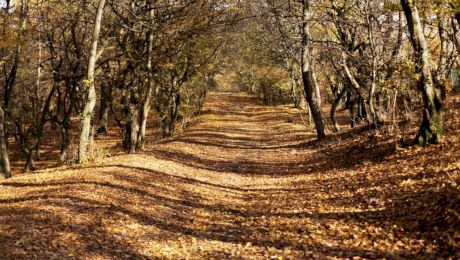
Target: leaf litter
[246,181]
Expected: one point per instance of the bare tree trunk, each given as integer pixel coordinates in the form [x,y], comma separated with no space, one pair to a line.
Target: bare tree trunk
[65,143]
[317,93]
[106,99]
[456,33]
[334,106]
[308,75]
[431,129]
[37,89]
[10,83]
[5,171]
[133,128]
[176,102]
[67,125]
[88,109]
[146,104]
[294,94]
[30,164]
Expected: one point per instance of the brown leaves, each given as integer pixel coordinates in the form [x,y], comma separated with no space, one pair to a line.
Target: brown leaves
[232,187]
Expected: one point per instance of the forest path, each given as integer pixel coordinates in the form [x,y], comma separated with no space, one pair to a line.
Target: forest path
[245,181]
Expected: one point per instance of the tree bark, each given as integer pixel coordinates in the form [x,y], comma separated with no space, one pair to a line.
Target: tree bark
[10,83]
[133,129]
[66,124]
[106,99]
[146,104]
[88,109]
[431,129]
[308,75]
[5,171]
[334,106]
[293,83]
[30,164]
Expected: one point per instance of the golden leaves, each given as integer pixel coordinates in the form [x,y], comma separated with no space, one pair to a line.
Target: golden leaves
[232,187]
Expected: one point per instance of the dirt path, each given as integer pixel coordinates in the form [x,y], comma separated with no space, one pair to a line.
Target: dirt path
[245,181]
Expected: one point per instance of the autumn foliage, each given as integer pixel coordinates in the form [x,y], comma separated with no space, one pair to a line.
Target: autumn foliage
[222,129]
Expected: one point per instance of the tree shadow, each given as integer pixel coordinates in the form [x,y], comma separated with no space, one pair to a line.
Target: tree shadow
[121,211]
[181,216]
[183,212]
[340,158]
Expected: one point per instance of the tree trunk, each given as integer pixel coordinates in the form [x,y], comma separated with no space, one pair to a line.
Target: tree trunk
[431,129]
[294,94]
[5,171]
[133,129]
[352,115]
[88,109]
[174,113]
[67,125]
[308,74]
[10,83]
[334,106]
[30,164]
[146,104]
[106,99]
[456,34]
[65,143]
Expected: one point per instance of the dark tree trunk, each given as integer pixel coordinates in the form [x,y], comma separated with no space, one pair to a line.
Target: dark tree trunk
[65,143]
[202,97]
[10,83]
[131,134]
[174,113]
[133,129]
[334,106]
[30,164]
[67,125]
[106,99]
[5,171]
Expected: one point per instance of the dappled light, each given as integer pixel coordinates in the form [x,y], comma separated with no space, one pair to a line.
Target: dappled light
[225,189]
[229,129]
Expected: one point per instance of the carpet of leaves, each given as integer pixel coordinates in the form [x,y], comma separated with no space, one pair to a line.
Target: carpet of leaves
[245,181]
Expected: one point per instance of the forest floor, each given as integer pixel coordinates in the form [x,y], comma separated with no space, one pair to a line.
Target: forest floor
[244,181]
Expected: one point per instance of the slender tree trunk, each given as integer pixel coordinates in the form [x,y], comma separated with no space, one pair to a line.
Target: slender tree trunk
[176,102]
[431,129]
[334,106]
[456,35]
[373,117]
[317,93]
[30,164]
[65,143]
[67,125]
[308,74]
[89,84]
[294,94]
[146,104]
[132,109]
[106,99]
[10,83]
[37,89]
[5,171]
[133,128]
